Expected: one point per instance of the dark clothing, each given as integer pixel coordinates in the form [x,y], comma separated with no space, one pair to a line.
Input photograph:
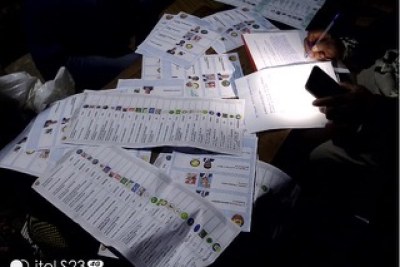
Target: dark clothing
[347,214]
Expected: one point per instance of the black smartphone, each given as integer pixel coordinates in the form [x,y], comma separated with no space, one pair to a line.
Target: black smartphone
[320,84]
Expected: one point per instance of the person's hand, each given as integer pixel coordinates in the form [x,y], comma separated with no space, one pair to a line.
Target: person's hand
[348,109]
[328,48]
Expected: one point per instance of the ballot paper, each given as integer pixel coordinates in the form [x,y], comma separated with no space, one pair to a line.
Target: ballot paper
[16,156]
[136,209]
[232,23]
[163,161]
[144,121]
[180,39]
[225,181]
[212,76]
[270,180]
[50,124]
[164,87]
[295,13]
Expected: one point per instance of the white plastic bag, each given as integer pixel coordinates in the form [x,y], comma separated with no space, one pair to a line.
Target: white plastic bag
[62,86]
[32,94]
[17,86]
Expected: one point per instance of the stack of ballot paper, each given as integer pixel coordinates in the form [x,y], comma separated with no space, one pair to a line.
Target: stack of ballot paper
[295,13]
[92,151]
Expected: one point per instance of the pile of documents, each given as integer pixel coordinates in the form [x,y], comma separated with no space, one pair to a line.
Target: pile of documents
[92,151]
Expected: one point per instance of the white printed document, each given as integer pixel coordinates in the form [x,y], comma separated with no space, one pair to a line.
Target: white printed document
[277,99]
[163,87]
[295,13]
[211,76]
[49,125]
[180,39]
[16,156]
[225,181]
[135,208]
[231,24]
[277,48]
[144,121]
[270,180]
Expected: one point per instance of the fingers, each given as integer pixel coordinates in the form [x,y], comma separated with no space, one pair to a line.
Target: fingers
[341,114]
[342,108]
[319,55]
[307,46]
[313,36]
[321,49]
[322,102]
[310,40]
[324,50]
[338,98]
[331,101]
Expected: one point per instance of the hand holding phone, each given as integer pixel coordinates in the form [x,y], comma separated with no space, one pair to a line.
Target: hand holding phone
[320,84]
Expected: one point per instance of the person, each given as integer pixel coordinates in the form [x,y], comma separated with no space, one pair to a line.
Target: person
[348,204]
[364,120]
[91,38]
[346,212]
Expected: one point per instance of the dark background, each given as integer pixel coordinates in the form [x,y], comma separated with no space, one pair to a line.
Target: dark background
[14,54]
[12,44]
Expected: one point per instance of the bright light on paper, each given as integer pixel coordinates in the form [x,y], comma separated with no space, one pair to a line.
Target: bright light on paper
[277,99]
